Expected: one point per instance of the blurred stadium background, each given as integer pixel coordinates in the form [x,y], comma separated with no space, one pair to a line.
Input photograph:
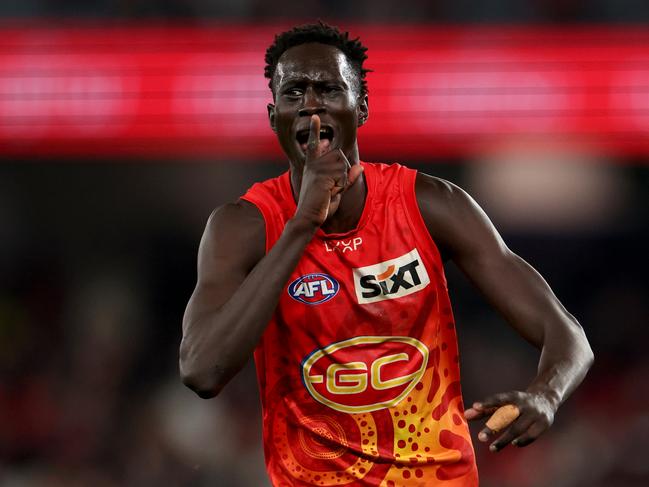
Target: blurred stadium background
[124,123]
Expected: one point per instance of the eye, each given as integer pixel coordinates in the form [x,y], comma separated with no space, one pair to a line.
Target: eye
[293,92]
[332,89]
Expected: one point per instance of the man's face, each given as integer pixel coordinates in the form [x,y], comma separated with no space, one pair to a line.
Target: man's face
[316,79]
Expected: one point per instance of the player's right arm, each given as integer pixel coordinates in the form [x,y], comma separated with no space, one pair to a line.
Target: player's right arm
[236,293]
[238,287]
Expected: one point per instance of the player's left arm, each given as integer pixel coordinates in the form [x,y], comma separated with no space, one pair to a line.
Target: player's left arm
[465,234]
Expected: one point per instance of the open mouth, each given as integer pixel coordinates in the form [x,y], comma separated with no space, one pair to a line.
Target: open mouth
[302,136]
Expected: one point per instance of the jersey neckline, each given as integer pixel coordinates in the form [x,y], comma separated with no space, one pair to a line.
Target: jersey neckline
[368,173]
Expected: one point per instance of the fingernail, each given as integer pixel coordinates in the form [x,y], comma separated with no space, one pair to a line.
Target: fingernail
[482,437]
[477,405]
[515,442]
[493,448]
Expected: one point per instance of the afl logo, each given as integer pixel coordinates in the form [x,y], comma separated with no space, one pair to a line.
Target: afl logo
[313,288]
[365,373]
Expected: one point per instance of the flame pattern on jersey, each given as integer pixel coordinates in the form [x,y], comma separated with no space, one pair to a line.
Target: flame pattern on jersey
[361,387]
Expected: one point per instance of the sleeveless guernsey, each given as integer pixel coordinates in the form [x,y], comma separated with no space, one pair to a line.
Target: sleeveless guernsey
[358,368]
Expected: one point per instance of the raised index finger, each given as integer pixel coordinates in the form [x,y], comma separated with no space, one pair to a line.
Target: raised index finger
[314,138]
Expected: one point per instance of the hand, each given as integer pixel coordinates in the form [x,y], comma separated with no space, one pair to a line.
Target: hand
[536,415]
[327,175]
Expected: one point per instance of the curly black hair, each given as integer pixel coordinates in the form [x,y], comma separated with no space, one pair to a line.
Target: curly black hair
[324,34]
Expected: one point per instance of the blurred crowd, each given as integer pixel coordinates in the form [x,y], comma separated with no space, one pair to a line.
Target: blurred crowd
[97,262]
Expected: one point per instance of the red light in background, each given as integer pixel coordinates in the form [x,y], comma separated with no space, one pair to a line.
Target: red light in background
[169,92]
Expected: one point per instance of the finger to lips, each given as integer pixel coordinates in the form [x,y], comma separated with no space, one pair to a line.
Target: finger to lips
[314,135]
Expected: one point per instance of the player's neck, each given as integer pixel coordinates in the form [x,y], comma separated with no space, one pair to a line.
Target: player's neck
[351,204]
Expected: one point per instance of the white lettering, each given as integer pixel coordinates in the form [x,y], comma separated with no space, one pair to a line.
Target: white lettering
[405,275]
[343,246]
[301,289]
[325,289]
[313,287]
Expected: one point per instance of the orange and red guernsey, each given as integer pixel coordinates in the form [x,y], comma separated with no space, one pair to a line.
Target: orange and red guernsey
[358,369]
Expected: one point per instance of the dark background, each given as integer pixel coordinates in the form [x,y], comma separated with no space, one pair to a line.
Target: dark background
[97,261]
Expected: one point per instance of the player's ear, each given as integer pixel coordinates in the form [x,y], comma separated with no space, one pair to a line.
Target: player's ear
[271,116]
[363,110]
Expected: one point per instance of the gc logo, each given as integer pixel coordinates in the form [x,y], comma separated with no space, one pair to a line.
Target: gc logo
[365,373]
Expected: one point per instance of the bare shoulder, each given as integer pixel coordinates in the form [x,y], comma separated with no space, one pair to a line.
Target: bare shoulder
[241,217]
[441,204]
[438,197]
[451,215]
[234,236]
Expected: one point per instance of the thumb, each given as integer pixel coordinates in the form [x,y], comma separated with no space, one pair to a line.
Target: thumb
[353,174]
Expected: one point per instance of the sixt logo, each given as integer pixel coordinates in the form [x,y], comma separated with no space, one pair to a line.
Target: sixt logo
[313,288]
[365,373]
[390,279]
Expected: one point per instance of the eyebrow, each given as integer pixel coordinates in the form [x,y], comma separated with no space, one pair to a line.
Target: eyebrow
[309,79]
[294,80]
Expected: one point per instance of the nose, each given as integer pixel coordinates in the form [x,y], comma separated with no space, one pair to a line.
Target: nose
[311,103]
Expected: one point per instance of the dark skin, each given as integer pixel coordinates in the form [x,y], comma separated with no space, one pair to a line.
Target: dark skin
[315,87]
